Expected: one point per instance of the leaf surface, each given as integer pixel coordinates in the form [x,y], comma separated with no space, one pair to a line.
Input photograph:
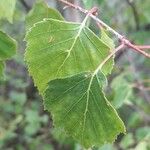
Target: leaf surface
[79,106]
[7,8]
[1,69]
[7,49]
[122,91]
[39,12]
[7,46]
[58,49]
[106,39]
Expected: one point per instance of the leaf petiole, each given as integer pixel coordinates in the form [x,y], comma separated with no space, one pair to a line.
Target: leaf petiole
[120,47]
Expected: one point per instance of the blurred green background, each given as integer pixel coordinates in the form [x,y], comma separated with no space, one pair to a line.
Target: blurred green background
[24,125]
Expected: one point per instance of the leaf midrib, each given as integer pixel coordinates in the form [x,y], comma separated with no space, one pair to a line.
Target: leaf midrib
[73,44]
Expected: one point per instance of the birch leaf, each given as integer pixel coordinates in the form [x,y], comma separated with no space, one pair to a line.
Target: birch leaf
[79,106]
[7,49]
[7,46]
[106,39]
[39,12]
[58,49]
[122,91]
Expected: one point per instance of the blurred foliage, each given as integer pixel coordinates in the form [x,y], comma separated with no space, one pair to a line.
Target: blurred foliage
[7,50]
[8,5]
[24,125]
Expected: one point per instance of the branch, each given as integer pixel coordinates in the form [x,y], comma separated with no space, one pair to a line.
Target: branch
[120,47]
[119,36]
[143,47]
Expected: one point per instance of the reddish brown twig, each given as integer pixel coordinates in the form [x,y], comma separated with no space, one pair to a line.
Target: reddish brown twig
[134,47]
[74,6]
[143,47]
[120,47]
[119,36]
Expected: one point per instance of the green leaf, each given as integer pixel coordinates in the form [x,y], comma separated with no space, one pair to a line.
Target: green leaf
[7,49]
[7,46]
[39,12]
[7,8]
[1,69]
[122,90]
[106,39]
[79,106]
[58,49]
[127,140]
[142,133]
